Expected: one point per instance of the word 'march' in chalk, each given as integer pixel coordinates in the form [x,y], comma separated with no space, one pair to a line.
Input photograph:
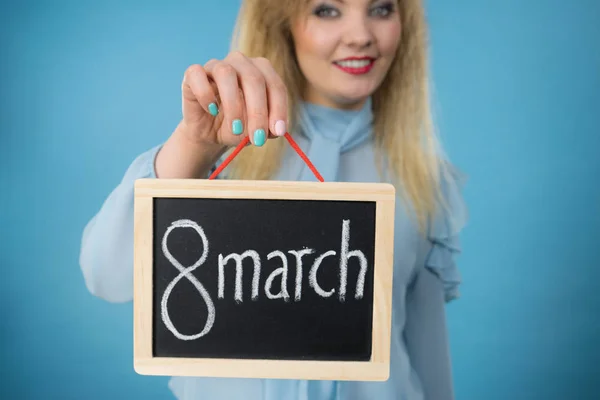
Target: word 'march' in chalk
[345,255]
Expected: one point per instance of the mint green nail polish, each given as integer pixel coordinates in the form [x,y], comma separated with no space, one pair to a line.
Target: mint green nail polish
[259,137]
[237,127]
[212,109]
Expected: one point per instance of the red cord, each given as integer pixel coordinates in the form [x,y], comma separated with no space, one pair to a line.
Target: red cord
[239,148]
[247,140]
[303,156]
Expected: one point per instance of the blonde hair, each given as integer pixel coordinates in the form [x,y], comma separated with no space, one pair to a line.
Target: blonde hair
[403,128]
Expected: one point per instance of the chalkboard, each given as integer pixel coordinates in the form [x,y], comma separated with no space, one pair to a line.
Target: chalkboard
[263,279]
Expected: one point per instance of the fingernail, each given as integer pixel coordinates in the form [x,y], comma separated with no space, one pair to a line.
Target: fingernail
[212,109]
[237,127]
[280,128]
[259,137]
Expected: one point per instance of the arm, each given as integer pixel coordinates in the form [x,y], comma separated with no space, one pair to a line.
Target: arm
[436,283]
[106,257]
[426,336]
[200,139]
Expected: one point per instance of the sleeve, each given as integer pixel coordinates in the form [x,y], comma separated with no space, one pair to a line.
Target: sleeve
[444,232]
[427,337]
[106,254]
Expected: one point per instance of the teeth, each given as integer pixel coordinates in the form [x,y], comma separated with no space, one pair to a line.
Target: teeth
[354,63]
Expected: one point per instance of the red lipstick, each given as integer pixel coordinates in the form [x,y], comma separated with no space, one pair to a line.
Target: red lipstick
[355,65]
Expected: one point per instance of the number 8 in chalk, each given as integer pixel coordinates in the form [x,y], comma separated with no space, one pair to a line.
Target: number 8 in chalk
[186,273]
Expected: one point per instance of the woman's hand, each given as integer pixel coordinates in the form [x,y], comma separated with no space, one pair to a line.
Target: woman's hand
[248,95]
[223,102]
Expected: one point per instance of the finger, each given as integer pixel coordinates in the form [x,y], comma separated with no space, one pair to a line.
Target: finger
[196,87]
[208,67]
[226,79]
[277,98]
[254,89]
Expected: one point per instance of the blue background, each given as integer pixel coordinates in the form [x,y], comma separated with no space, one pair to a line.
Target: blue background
[87,87]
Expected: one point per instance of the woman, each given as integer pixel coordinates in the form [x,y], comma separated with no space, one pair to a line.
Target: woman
[347,78]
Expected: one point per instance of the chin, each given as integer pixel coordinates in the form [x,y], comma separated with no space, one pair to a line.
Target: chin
[348,101]
[353,96]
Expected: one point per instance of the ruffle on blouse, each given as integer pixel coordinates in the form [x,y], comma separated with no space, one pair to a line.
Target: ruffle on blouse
[444,233]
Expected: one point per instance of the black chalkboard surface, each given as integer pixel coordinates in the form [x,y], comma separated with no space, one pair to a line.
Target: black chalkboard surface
[263,279]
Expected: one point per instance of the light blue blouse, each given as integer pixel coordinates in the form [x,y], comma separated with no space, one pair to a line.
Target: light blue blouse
[340,144]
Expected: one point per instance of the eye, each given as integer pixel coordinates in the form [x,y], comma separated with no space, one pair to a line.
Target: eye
[325,11]
[383,10]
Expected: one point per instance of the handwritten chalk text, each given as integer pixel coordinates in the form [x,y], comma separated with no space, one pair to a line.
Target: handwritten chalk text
[275,286]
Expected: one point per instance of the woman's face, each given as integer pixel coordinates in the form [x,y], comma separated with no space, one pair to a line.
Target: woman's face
[345,48]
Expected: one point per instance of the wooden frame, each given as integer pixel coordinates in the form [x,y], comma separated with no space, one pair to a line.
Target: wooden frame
[377,369]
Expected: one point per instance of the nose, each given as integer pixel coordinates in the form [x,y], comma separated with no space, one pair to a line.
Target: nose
[358,33]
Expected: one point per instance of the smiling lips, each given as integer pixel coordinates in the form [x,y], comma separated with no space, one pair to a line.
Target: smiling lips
[355,65]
